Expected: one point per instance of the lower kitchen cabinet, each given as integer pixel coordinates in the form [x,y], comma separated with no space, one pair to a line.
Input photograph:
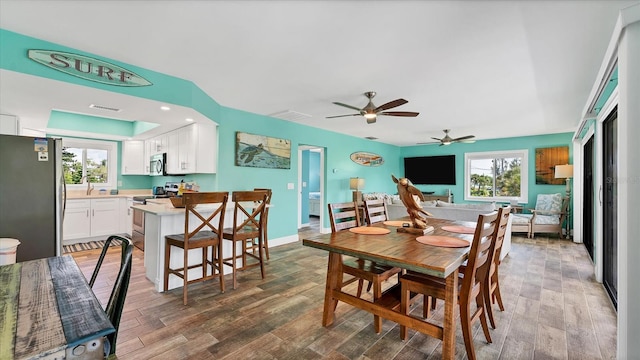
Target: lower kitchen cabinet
[88,218]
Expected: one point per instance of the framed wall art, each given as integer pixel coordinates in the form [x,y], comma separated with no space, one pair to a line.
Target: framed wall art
[546,161]
[262,151]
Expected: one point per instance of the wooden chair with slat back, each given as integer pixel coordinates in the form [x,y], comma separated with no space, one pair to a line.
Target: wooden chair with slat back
[265,237]
[207,234]
[120,286]
[492,282]
[344,216]
[470,286]
[375,211]
[248,225]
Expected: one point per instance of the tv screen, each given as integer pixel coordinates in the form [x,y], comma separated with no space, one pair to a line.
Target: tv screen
[431,170]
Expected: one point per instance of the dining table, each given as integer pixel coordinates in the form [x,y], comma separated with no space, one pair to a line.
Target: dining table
[48,310]
[405,250]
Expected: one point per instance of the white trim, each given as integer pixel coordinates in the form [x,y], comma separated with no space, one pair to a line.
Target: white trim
[524,172]
[110,146]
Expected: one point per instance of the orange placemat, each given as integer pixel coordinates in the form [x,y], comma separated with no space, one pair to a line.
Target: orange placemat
[459,229]
[397,223]
[369,230]
[443,241]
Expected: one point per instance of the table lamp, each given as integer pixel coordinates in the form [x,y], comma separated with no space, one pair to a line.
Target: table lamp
[356,183]
[565,172]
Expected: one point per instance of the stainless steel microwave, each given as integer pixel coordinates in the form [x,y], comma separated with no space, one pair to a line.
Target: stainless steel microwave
[158,165]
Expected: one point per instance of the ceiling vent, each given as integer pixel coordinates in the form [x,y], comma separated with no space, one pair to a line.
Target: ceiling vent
[100,107]
[290,115]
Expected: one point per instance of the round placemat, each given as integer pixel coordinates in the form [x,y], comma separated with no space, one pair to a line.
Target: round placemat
[369,230]
[397,223]
[459,229]
[443,241]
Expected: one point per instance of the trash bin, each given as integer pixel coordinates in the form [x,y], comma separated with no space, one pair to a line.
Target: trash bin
[8,249]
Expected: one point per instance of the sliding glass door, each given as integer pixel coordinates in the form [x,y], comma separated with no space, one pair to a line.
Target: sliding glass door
[610,205]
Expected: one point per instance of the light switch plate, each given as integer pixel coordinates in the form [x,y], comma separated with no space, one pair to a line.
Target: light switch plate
[290,186]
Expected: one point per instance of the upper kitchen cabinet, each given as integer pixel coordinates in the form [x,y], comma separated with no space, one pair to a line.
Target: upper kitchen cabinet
[192,149]
[134,158]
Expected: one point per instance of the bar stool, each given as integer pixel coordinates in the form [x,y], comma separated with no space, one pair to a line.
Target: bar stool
[198,239]
[248,225]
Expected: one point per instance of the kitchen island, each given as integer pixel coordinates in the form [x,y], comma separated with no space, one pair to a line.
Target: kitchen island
[162,219]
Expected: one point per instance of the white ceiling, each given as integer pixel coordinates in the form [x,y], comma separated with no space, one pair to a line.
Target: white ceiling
[489,68]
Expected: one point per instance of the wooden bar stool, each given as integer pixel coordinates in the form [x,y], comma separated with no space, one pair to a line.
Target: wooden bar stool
[248,225]
[265,237]
[198,239]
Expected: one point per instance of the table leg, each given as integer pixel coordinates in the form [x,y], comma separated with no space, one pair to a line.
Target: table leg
[334,282]
[449,326]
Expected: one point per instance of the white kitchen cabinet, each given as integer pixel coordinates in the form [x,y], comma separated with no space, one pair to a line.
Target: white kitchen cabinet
[77,220]
[126,215]
[192,149]
[133,158]
[87,218]
[158,145]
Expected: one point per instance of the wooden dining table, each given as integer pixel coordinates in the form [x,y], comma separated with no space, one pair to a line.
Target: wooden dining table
[399,249]
[48,310]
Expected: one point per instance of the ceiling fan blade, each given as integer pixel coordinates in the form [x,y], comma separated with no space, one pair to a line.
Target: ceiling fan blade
[399,113]
[391,104]
[464,138]
[439,140]
[347,106]
[337,116]
[427,143]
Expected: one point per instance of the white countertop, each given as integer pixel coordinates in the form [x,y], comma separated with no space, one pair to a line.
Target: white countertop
[95,194]
[163,207]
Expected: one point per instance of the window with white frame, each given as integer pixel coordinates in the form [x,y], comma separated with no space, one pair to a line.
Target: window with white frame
[496,176]
[92,160]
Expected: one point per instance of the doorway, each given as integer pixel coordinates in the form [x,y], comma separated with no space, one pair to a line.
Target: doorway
[311,187]
[610,206]
[587,197]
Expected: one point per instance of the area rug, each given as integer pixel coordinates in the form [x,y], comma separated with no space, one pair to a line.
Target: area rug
[91,245]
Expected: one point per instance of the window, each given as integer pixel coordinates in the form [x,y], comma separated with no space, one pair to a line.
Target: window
[496,176]
[96,160]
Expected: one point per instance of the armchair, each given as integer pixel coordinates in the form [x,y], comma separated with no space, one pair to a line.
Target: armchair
[547,217]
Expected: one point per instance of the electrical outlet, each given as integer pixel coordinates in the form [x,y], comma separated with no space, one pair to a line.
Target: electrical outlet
[119,182]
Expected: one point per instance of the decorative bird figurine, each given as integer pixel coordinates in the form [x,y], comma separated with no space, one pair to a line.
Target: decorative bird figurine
[411,197]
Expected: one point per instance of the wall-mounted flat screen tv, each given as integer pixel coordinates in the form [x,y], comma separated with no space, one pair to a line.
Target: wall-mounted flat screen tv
[431,170]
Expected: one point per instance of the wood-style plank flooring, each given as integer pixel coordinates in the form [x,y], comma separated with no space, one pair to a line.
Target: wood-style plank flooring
[554,310]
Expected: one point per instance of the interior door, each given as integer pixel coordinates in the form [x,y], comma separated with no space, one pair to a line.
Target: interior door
[609,206]
[587,197]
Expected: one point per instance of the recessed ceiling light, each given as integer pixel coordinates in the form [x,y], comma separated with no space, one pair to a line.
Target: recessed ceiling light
[165,108]
[188,120]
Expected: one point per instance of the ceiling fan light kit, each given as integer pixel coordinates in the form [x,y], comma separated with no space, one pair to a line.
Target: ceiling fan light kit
[371,112]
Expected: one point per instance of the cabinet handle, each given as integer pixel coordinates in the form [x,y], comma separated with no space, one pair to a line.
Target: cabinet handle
[128,211]
[87,212]
[93,212]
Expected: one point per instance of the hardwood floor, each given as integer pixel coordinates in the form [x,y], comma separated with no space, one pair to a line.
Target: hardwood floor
[554,309]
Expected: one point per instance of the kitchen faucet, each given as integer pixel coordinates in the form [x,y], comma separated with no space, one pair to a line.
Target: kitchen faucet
[89,187]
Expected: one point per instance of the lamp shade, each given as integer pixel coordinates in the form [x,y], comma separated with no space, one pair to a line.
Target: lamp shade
[356,183]
[564,171]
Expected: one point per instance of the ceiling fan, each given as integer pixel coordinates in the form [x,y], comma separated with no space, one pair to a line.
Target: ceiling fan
[448,140]
[371,112]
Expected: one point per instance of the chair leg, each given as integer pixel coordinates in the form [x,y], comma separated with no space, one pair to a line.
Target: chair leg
[167,253]
[185,271]
[360,286]
[220,265]
[489,309]
[483,317]
[465,322]
[496,295]
[404,309]
[260,256]
[234,266]
[266,240]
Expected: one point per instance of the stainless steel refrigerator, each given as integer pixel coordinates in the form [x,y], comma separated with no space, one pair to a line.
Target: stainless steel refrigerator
[32,195]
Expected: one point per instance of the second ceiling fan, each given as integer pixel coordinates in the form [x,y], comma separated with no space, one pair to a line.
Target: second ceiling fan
[371,112]
[448,140]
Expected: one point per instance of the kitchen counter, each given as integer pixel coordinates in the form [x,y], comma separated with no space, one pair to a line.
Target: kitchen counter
[95,194]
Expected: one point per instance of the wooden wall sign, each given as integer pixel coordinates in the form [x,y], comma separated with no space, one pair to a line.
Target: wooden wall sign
[88,68]
[546,161]
[367,158]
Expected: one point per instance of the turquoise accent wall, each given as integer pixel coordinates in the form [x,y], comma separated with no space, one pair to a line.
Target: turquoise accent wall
[516,143]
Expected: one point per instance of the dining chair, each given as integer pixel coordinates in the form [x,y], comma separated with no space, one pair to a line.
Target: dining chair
[491,289]
[265,232]
[121,285]
[344,216]
[470,286]
[206,234]
[375,211]
[248,225]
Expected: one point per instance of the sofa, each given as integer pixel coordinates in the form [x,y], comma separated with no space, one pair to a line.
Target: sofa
[444,210]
